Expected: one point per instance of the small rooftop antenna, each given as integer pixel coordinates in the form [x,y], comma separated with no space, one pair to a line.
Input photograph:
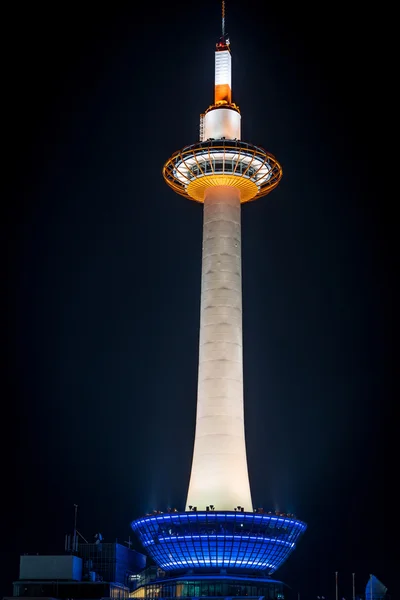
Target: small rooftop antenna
[223,18]
[76,532]
[75,539]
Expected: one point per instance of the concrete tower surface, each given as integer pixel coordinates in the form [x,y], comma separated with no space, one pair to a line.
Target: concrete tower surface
[220,527]
[219,468]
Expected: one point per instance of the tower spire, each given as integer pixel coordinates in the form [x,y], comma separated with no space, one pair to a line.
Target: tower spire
[223,93]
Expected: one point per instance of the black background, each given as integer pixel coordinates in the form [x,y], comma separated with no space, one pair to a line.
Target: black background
[102,277]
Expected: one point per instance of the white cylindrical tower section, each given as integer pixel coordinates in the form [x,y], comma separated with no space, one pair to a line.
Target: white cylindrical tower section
[219,473]
[223,68]
[223,76]
[222,123]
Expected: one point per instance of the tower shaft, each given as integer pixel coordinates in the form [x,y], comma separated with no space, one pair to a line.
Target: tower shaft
[219,475]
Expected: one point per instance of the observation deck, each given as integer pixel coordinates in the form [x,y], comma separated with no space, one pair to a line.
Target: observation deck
[251,169]
[204,540]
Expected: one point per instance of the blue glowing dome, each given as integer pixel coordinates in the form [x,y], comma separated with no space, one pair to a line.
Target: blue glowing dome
[211,540]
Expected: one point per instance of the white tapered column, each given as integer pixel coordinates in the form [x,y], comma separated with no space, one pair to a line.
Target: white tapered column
[219,473]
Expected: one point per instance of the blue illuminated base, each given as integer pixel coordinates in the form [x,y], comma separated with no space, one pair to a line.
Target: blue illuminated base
[200,541]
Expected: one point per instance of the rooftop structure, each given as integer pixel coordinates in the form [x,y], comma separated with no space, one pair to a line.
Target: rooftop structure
[86,570]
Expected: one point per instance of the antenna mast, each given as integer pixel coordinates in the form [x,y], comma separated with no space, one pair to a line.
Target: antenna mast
[75,539]
[223,18]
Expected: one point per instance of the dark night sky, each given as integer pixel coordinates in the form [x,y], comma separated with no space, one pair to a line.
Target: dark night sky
[103,278]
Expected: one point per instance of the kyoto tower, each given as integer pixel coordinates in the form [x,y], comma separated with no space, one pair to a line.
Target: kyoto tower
[220,528]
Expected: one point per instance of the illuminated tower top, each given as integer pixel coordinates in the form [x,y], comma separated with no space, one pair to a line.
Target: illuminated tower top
[223,68]
[222,119]
[221,158]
